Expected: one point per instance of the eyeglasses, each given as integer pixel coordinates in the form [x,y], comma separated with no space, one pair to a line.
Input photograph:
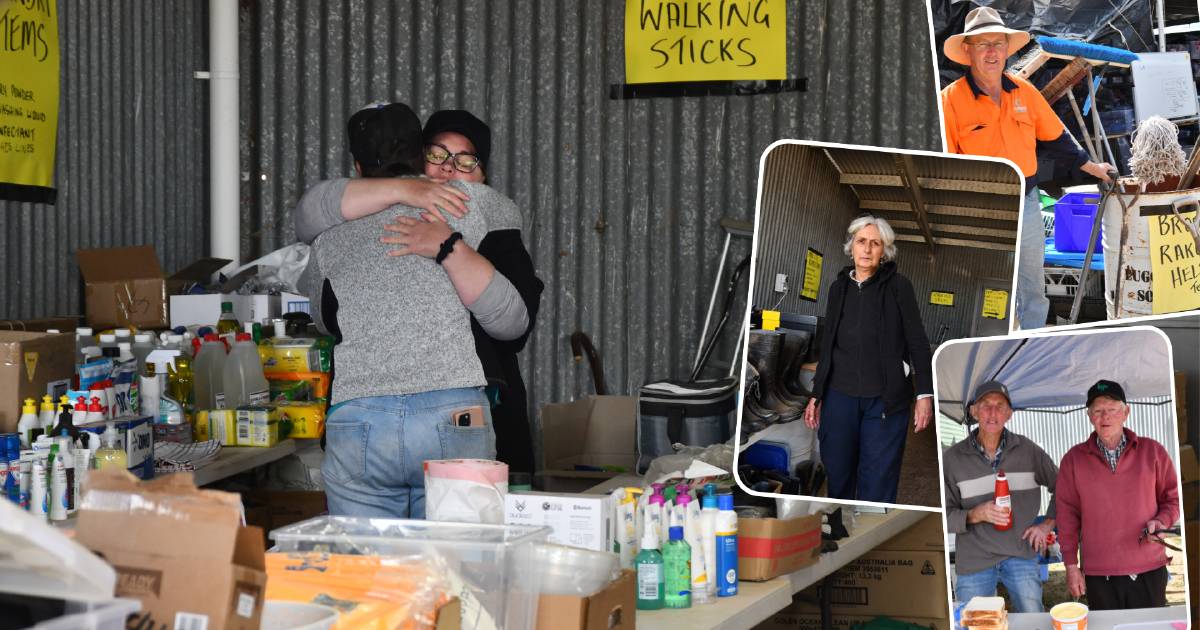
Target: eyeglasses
[464,162]
[1101,413]
[985,46]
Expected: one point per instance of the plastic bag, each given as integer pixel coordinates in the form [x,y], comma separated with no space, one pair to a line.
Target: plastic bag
[278,271]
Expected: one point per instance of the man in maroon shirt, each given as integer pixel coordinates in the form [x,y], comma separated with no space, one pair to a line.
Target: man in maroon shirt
[1114,492]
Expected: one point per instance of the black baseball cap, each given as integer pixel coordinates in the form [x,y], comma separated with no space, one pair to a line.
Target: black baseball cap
[991,387]
[1111,389]
[385,138]
[464,122]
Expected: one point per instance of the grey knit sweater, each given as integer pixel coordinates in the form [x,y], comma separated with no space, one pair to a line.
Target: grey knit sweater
[969,481]
[404,329]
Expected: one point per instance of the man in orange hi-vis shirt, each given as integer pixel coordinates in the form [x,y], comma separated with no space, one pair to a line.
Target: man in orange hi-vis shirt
[988,112]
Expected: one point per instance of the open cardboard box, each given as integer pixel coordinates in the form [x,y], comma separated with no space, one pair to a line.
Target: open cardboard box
[125,286]
[593,432]
[32,364]
[61,324]
[185,555]
[613,608]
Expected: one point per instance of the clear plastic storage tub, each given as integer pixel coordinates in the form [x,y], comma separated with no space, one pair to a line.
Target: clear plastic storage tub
[496,563]
[109,615]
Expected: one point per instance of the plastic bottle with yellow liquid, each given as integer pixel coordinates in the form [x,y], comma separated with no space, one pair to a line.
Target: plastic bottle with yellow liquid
[110,455]
[228,324]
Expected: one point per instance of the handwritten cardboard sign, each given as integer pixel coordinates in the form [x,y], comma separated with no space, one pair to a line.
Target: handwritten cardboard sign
[28,96]
[1174,264]
[812,275]
[705,40]
[995,303]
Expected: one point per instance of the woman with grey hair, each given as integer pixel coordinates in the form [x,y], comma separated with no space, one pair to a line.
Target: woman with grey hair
[873,342]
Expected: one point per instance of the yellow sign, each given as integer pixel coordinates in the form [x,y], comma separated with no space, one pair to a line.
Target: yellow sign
[1174,264]
[705,40]
[941,298]
[995,303]
[28,98]
[812,275]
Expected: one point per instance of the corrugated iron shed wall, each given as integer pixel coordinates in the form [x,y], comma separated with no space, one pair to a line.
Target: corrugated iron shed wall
[132,158]
[623,196]
[804,206]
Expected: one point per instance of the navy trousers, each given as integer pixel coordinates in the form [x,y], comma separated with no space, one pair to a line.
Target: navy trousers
[861,447]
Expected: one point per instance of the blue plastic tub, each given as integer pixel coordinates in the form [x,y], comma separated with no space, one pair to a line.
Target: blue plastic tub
[1073,216]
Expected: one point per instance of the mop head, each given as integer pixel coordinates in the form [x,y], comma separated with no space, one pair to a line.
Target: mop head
[1156,154]
[1095,52]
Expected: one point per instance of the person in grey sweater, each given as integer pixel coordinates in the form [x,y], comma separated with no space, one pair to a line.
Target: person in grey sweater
[985,555]
[408,386]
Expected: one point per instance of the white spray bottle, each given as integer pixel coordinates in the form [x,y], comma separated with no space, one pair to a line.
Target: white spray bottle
[166,410]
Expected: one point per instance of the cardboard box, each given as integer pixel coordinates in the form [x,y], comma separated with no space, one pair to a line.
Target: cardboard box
[32,364]
[596,434]
[613,608]
[892,583]
[1189,468]
[1181,417]
[198,566]
[925,535]
[770,547]
[123,286]
[788,619]
[269,510]
[205,309]
[61,324]
[578,520]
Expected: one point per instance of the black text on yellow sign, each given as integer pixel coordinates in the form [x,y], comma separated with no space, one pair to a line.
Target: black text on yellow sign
[941,298]
[705,40]
[995,304]
[812,275]
[29,58]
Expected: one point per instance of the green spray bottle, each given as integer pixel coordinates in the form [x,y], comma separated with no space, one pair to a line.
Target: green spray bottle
[649,566]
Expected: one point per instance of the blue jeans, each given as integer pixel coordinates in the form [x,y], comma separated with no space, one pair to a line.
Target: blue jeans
[861,448]
[1032,304]
[375,449]
[1020,577]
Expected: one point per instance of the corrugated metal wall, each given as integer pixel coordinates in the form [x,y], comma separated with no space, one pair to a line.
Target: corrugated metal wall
[803,206]
[624,196]
[132,159]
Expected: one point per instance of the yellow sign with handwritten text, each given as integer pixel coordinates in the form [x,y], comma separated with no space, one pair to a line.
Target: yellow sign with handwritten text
[995,303]
[705,40]
[28,96]
[941,298]
[812,275]
[1174,264]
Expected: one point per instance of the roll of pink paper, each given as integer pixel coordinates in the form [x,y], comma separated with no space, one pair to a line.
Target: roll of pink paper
[481,470]
[465,490]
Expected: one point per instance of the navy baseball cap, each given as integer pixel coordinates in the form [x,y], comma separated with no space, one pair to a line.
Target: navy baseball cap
[991,387]
[1111,389]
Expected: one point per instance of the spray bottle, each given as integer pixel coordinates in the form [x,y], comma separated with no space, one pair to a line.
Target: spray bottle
[167,409]
[649,565]
[66,425]
[1003,500]
[28,424]
[727,547]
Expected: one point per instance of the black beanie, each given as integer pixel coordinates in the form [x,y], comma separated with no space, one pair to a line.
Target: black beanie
[462,121]
[386,140]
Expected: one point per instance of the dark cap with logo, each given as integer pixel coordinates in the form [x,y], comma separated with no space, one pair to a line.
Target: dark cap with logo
[1111,389]
[385,138]
[991,387]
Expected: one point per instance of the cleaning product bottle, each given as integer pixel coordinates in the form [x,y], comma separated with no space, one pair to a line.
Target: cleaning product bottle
[111,455]
[654,516]
[677,566]
[28,424]
[83,339]
[1003,500]
[68,461]
[57,500]
[679,510]
[228,324]
[210,373]
[39,504]
[46,415]
[649,566]
[167,409]
[727,547]
[244,382]
[66,424]
[180,377]
[692,534]
[123,335]
[95,411]
[143,344]
[108,342]
[708,536]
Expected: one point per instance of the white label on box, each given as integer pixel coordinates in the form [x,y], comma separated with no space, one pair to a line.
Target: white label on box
[220,400]
[245,606]
[575,519]
[190,621]
[260,398]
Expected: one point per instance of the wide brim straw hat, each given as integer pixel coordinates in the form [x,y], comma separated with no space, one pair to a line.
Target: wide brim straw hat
[980,21]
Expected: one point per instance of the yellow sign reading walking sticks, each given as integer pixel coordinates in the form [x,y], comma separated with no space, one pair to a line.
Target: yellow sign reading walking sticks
[705,40]
[1174,264]
[28,98]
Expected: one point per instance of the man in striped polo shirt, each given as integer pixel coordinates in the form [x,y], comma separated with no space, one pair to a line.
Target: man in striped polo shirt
[984,554]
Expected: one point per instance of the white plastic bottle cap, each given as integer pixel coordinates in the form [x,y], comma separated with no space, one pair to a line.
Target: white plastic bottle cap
[121,333]
[108,338]
[143,337]
[83,331]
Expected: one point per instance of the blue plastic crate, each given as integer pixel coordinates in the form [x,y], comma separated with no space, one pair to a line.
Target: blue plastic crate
[1073,216]
[766,455]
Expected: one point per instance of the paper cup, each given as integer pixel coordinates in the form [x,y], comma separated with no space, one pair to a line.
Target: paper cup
[1069,616]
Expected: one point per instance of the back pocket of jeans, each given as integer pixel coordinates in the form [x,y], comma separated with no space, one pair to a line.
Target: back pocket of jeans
[345,451]
[467,442]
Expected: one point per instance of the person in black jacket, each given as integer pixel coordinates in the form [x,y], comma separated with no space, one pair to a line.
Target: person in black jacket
[862,395]
[457,146]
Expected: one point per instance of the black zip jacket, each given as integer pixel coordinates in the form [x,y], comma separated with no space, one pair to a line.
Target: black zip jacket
[901,336]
